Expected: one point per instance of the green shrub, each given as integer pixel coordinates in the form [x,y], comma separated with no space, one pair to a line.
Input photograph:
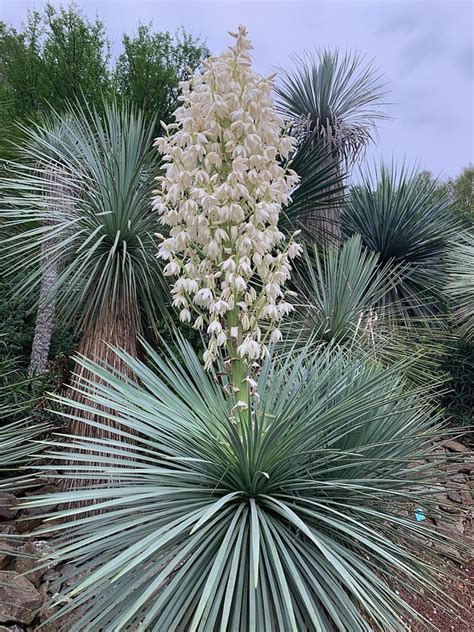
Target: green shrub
[459,400]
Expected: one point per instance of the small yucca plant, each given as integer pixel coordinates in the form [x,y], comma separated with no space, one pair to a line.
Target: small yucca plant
[344,301]
[301,517]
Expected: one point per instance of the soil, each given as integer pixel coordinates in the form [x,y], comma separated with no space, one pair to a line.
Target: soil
[460,588]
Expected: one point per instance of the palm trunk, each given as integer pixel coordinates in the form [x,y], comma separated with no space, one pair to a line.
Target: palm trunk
[45,314]
[324,224]
[327,222]
[51,264]
[118,329]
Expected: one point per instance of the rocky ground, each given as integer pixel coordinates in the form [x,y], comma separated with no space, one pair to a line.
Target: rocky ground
[24,591]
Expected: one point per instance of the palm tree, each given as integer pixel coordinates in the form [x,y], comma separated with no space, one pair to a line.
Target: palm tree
[335,98]
[95,219]
[321,184]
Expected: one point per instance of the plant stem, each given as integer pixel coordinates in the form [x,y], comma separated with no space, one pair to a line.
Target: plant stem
[238,366]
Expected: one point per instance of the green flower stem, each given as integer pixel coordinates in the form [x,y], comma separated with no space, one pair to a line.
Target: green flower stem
[238,366]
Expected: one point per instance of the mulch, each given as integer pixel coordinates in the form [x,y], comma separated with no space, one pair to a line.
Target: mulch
[459,586]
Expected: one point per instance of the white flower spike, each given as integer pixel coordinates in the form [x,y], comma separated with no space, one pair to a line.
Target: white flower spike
[221,195]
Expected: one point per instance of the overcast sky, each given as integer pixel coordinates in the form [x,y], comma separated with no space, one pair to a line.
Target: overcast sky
[424,48]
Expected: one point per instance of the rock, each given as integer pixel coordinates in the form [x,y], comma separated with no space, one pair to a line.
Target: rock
[437,454]
[50,477]
[438,492]
[63,624]
[415,464]
[35,552]
[52,574]
[469,533]
[454,446]
[32,517]
[42,491]
[43,591]
[450,551]
[458,489]
[6,550]
[27,524]
[449,508]
[19,599]
[8,528]
[8,503]
[455,496]
[452,528]
[459,478]
[465,467]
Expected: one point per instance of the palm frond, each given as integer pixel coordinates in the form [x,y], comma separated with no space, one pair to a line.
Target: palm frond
[291,520]
[18,429]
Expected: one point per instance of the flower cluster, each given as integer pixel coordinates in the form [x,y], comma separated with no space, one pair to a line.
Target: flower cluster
[221,195]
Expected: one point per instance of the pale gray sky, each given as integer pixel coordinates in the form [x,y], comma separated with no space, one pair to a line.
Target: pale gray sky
[424,48]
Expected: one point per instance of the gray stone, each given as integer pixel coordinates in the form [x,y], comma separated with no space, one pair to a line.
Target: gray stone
[451,527]
[416,464]
[8,503]
[33,554]
[6,551]
[32,517]
[465,467]
[455,496]
[454,446]
[459,478]
[19,599]
[8,528]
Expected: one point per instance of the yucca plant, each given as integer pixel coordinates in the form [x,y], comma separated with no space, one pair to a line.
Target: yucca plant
[95,220]
[399,215]
[461,283]
[45,149]
[301,517]
[334,101]
[343,302]
[17,444]
[340,290]
[338,95]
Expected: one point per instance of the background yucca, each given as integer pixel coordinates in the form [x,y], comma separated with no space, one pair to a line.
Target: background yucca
[401,216]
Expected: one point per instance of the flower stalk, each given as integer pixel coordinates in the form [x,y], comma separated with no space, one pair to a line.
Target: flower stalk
[220,197]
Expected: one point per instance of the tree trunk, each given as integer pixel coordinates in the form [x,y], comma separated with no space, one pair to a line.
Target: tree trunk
[324,224]
[45,314]
[118,329]
[51,265]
